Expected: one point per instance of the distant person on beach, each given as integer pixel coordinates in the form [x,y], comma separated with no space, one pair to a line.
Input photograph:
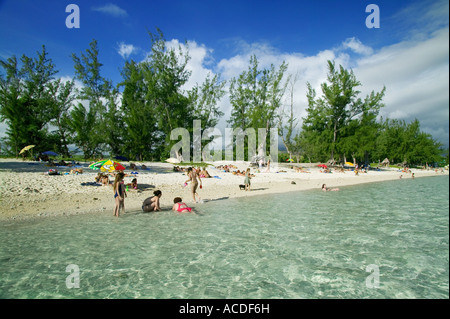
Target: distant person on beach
[133,183]
[105,180]
[119,194]
[179,206]
[326,189]
[247,180]
[192,174]
[151,204]
[204,173]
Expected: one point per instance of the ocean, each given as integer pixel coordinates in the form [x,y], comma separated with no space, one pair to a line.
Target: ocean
[378,240]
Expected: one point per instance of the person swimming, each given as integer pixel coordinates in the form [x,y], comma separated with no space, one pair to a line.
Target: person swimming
[325,188]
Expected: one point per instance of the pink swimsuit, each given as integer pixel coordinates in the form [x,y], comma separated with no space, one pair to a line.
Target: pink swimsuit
[181,209]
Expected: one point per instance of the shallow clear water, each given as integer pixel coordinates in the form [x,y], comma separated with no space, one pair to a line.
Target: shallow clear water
[298,245]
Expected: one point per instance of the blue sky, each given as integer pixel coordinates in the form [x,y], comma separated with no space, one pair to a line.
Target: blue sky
[408,53]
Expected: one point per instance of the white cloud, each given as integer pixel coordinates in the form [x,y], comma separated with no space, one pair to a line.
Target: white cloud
[125,50]
[416,76]
[356,46]
[111,9]
[200,58]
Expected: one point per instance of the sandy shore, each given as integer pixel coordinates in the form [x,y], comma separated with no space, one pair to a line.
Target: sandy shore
[26,191]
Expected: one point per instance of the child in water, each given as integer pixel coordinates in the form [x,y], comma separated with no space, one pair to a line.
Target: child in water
[179,206]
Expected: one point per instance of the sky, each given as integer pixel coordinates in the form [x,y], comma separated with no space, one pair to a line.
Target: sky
[408,53]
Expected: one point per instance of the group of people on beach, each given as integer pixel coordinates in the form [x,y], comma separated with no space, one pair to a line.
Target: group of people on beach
[152,204]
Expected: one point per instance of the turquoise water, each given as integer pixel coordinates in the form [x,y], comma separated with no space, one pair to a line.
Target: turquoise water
[298,245]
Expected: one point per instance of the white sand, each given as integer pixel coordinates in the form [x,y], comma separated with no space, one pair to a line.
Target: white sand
[26,192]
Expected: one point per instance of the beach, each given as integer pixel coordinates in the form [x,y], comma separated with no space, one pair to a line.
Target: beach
[28,192]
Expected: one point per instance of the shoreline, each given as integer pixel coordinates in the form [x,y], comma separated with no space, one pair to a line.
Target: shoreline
[27,193]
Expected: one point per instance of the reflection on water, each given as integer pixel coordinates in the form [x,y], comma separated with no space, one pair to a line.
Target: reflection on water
[299,245]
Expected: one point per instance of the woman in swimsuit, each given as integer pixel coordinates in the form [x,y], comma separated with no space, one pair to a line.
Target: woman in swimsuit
[179,206]
[119,194]
[151,204]
[192,174]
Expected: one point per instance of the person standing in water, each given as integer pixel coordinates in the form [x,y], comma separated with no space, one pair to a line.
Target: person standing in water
[193,175]
[119,194]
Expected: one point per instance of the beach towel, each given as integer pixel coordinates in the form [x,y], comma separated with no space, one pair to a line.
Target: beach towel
[90,184]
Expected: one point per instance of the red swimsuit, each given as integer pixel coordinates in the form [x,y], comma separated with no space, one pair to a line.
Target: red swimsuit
[181,209]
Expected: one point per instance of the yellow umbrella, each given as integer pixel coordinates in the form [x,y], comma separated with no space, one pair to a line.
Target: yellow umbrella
[349,164]
[26,148]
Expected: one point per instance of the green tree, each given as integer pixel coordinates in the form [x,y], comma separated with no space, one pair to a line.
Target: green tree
[141,136]
[339,104]
[255,97]
[165,74]
[95,91]
[63,95]
[25,93]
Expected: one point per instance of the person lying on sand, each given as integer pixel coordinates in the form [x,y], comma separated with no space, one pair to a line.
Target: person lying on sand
[204,174]
[76,171]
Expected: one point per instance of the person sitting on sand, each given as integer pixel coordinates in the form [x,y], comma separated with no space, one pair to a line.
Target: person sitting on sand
[325,188]
[133,166]
[62,163]
[98,177]
[105,180]
[204,174]
[133,183]
[179,206]
[151,204]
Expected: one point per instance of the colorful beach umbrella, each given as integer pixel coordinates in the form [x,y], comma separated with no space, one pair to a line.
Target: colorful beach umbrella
[26,148]
[107,166]
[322,165]
[289,160]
